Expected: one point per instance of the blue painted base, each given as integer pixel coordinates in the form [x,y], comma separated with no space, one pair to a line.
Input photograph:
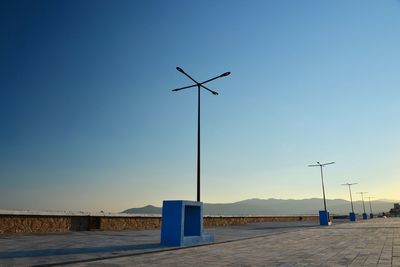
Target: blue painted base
[195,240]
[365,216]
[324,217]
[182,224]
[371,215]
[352,216]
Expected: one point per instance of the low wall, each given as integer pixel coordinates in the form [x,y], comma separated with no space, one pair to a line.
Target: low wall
[16,223]
[130,223]
[41,224]
[213,221]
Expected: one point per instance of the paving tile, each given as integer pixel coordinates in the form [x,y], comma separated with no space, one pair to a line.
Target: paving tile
[396,261]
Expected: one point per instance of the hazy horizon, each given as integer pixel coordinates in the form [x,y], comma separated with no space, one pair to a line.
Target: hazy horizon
[89,122]
[159,205]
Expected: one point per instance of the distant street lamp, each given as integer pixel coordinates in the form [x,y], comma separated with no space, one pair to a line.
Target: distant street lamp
[321,165]
[370,208]
[365,216]
[362,197]
[351,198]
[199,86]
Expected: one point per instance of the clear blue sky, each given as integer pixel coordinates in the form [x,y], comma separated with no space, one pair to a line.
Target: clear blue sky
[89,122]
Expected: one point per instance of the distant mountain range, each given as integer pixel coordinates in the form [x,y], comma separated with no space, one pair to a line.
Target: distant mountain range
[280,207]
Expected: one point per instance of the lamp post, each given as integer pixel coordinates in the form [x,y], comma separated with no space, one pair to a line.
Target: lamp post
[362,197]
[323,215]
[352,215]
[199,86]
[321,165]
[371,215]
[351,198]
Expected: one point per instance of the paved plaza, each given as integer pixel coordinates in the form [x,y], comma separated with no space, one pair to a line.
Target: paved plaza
[364,243]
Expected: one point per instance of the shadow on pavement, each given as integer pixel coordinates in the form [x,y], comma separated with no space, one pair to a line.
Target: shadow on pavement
[284,227]
[82,250]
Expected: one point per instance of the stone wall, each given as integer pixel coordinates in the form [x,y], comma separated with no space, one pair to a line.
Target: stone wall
[235,220]
[130,223]
[48,223]
[42,224]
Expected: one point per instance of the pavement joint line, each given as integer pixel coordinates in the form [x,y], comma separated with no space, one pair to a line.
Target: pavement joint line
[383,246]
[165,250]
[391,260]
[364,228]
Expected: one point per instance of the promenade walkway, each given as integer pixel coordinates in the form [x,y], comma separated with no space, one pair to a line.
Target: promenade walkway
[365,243]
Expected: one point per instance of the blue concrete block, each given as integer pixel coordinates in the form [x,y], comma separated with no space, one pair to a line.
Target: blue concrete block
[365,216]
[324,217]
[371,215]
[352,216]
[182,223]
[192,221]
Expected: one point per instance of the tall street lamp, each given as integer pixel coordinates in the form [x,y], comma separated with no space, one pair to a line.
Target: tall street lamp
[371,214]
[351,198]
[199,86]
[362,197]
[323,217]
[321,165]
[352,215]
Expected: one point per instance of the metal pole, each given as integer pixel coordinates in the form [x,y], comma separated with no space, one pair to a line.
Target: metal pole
[198,143]
[351,199]
[362,197]
[322,178]
[370,207]
[323,187]
[199,85]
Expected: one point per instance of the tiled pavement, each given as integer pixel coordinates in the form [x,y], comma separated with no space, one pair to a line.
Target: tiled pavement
[370,243]
[365,243]
[27,250]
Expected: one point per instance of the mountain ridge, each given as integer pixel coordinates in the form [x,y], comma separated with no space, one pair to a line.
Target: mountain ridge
[272,206]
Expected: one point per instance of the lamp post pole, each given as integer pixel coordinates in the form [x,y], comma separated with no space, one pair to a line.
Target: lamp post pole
[199,86]
[198,143]
[321,165]
[351,198]
[362,197]
[370,206]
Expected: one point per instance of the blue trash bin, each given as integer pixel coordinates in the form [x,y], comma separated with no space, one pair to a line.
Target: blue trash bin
[352,216]
[365,216]
[324,217]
